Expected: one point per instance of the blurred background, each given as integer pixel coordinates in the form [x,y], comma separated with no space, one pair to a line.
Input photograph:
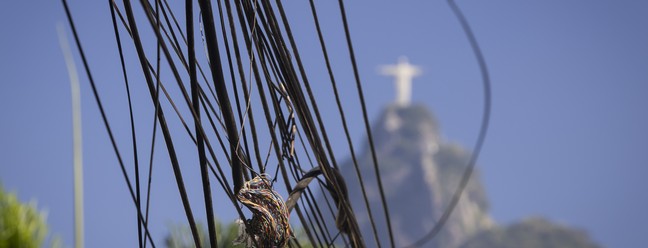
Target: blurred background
[566,143]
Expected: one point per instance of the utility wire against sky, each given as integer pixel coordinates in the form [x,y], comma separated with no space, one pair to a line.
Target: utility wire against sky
[103,115]
[149,84]
[276,69]
[483,130]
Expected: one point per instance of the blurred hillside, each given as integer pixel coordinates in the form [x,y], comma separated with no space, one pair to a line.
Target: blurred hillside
[531,233]
[420,172]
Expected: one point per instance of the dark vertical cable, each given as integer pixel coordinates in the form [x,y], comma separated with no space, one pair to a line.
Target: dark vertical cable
[148,10]
[246,94]
[294,89]
[157,105]
[237,55]
[132,124]
[264,102]
[483,130]
[150,171]
[204,172]
[221,90]
[366,122]
[344,123]
[241,115]
[103,114]
[165,130]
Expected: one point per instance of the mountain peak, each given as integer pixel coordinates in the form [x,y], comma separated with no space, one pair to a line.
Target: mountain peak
[407,129]
[420,173]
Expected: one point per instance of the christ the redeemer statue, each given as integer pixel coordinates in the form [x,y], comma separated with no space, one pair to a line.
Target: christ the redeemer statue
[403,73]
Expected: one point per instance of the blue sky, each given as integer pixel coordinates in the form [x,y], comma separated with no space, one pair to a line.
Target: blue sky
[568,132]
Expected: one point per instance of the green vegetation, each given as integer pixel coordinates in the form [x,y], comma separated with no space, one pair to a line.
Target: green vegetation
[180,236]
[21,225]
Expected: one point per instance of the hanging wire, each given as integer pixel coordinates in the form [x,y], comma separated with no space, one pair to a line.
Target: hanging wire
[344,124]
[132,124]
[204,173]
[104,118]
[260,32]
[483,130]
[366,122]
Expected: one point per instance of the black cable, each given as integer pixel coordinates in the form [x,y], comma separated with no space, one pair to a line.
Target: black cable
[251,14]
[132,124]
[344,123]
[103,115]
[227,189]
[366,122]
[165,130]
[483,130]
[294,89]
[221,91]
[241,73]
[272,48]
[157,105]
[201,131]
[209,208]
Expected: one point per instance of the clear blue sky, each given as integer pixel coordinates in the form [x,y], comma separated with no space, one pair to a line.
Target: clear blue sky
[567,140]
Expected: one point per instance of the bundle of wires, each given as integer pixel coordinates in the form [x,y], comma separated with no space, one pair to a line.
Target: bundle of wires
[252,63]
